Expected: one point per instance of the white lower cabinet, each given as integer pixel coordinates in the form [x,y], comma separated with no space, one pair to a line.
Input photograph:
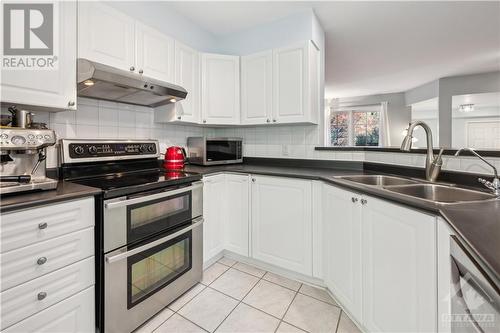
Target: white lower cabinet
[237,214]
[342,246]
[381,262]
[281,219]
[47,268]
[214,196]
[399,268]
[74,314]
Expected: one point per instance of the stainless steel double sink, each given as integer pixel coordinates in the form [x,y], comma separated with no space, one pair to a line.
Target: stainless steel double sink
[438,193]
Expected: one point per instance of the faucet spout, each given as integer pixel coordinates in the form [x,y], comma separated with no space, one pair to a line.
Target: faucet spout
[432,163]
[494,185]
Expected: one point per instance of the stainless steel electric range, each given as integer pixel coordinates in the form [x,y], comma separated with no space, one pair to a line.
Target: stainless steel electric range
[149,234]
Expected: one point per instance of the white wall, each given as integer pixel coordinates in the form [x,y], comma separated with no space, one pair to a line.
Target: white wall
[159,15]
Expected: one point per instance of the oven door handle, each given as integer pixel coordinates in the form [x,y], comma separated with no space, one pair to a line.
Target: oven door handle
[117,204]
[196,223]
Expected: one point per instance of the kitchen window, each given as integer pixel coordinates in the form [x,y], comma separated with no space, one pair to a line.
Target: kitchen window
[360,126]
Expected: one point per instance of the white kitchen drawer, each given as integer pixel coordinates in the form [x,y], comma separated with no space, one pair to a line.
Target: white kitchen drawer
[27,299]
[26,227]
[74,314]
[24,264]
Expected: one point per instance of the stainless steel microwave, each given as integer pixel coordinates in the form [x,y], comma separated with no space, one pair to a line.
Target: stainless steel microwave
[214,151]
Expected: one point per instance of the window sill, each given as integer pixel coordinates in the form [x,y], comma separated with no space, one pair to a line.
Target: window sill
[486,153]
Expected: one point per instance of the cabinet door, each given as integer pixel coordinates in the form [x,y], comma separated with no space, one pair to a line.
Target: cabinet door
[51,88]
[290,84]
[220,89]
[214,190]
[187,75]
[282,222]
[237,208]
[296,83]
[399,268]
[342,239]
[256,88]
[154,53]
[105,35]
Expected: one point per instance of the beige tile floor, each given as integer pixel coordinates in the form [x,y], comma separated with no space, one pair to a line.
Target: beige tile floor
[235,297]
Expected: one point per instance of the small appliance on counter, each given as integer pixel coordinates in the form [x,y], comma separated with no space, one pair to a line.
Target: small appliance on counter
[150,227]
[23,155]
[175,158]
[214,151]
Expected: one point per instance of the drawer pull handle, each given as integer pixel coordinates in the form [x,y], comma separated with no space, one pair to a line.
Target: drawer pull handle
[42,225]
[41,260]
[41,295]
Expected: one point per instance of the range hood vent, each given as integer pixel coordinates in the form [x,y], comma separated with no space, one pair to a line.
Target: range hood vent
[100,81]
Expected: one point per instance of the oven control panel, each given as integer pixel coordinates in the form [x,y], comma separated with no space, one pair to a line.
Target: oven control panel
[111,149]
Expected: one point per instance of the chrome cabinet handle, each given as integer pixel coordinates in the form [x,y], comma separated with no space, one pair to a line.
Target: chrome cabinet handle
[71,103]
[254,180]
[42,225]
[132,68]
[111,259]
[364,201]
[268,120]
[204,121]
[179,118]
[141,71]
[354,200]
[41,295]
[122,203]
[41,260]
[274,120]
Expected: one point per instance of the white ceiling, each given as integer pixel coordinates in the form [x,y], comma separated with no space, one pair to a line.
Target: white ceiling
[377,47]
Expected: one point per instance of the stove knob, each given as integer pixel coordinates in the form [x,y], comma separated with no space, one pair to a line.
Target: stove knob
[78,150]
[92,150]
[151,149]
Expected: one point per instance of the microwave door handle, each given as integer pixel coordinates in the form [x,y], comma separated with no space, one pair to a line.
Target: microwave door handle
[116,204]
[111,259]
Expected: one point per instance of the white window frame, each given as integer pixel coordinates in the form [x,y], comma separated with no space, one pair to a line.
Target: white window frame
[350,128]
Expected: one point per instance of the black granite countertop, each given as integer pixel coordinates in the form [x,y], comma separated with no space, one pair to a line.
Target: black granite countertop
[64,191]
[477,223]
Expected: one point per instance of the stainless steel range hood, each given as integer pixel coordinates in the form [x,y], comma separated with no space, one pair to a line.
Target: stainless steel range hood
[105,82]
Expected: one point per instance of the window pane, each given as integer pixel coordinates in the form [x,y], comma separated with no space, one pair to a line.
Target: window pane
[339,128]
[366,128]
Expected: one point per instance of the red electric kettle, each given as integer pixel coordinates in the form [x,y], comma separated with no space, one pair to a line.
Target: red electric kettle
[175,157]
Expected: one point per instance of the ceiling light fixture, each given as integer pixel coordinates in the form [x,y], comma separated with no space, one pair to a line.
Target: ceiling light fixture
[466,107]
[88,82]
[173,100]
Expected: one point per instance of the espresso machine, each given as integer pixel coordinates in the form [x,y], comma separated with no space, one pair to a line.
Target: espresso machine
[23,158]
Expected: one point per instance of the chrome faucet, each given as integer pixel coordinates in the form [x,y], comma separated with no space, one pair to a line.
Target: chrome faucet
[432,163]
[494,185]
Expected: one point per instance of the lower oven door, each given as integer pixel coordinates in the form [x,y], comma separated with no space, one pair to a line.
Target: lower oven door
[140,281]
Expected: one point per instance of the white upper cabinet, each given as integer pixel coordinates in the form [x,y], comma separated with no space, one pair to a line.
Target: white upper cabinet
[106,35]
[220,89]
[52,89]
[296,83]
[257,88]
[237,214]
[154,53]
[187,75]
[399,268]
[281,219]
[342,246]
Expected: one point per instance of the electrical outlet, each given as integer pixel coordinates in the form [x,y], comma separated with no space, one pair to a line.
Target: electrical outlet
[284,150]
